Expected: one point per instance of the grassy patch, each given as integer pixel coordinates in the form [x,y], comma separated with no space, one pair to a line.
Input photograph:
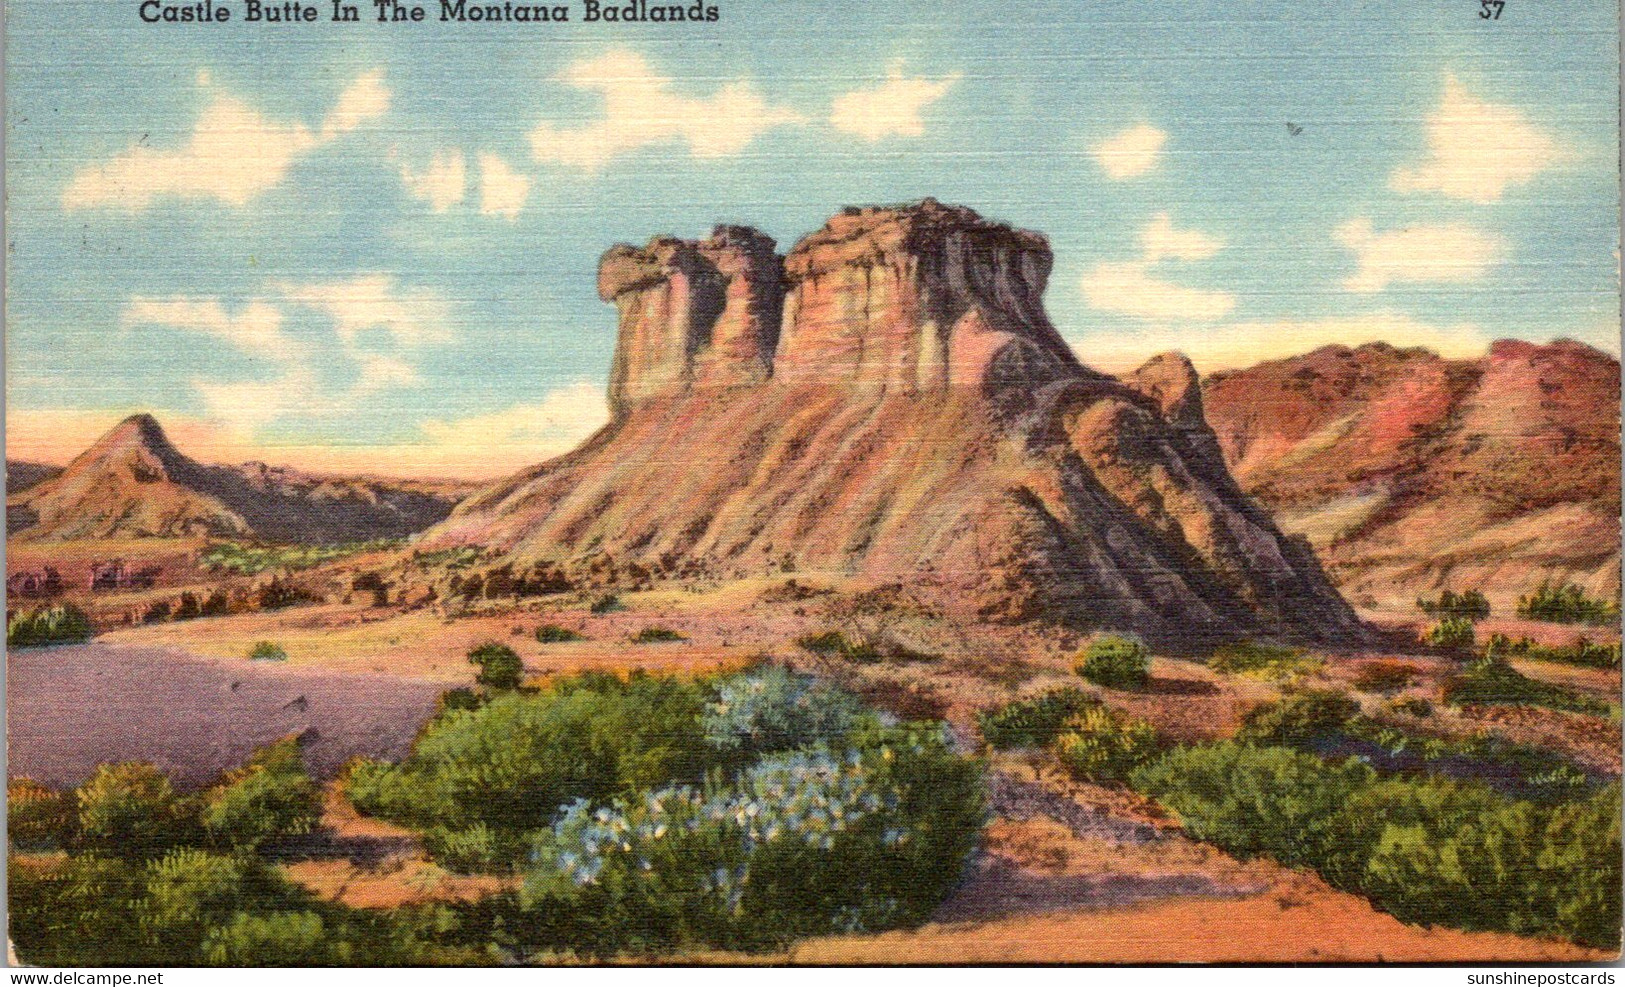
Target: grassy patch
[1583,652]
[554,634]
[1264,660]
[66,624]
[1034,722]
[1470,605]
[657,635]
[267,651]
[837,644]
[251,560]
[1567,604]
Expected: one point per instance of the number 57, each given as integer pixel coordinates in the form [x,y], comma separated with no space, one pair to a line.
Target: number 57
[1490,10]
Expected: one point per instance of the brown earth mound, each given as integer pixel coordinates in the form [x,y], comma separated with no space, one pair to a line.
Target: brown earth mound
[1412,473]
[889,401]
[134,483]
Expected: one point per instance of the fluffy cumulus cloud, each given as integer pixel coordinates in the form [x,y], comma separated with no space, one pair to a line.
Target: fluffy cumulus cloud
[234,154]
[376,323]
[254,328]
[1131,153]
[642,109]
[893,108]
[1445,253]
[1477,150]
[503,190]
[1136,289]
[442,183]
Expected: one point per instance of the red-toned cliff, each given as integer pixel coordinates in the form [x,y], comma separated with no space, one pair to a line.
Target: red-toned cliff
[889,401]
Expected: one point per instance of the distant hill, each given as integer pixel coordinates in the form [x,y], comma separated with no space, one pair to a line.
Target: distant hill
[134,483]
[20,474]
[1412,473]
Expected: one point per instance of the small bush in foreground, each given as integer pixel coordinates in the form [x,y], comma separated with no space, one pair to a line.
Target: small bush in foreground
[1099,745]
[131,811]
[1453,633]
[608,603]
[267,651]
[500,666]
[1034,722]
[554,634]
[269,797]
[1493,682]
[1116,663]
[773,709]
[1299,719]
[1426,850]
[1583,652]
[66,624]
[38,818]
[1567,604]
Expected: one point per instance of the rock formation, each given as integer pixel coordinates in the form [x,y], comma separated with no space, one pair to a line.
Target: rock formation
[1412,473]
[134,483]
[889,401]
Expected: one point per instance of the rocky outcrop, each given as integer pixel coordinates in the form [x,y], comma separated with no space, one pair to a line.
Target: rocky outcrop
[1412,473]
[912,414]
[133,482]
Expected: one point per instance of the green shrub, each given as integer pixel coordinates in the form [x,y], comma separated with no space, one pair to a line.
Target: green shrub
[1470,605]
[657,635]
[1582,652]
[500,666]
[65,624]
[1567,604]
[1100,746]
[267,651]
[249,560]
[280,939]
[1385,676]
[1453,633]
[131,811]
[1116,663]
[1425,849]
[837,643]
[270,797]
[514,761]
[862,838]
[608,603]
[1493,682]
[1299,719]
[1266,660]
[1034,722]
[554,634]
[477,849]
[38,818]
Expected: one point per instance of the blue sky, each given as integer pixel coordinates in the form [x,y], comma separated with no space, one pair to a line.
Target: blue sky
[374,246]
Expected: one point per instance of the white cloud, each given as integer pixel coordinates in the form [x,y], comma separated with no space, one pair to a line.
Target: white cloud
[1476,151]
[1132,152]
[503,191]
[1162,241]
[235,154]
[376,303]
[255,327]
[640,110]
[891,108]
[1242,344]
[1130,287]
[442,184]
[1446,253]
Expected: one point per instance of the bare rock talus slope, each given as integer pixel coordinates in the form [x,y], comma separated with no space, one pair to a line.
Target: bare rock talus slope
[1412,473]
[134,483]
[890,401]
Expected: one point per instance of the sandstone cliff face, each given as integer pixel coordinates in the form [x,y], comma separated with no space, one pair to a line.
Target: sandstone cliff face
[1412,473]
[912,414]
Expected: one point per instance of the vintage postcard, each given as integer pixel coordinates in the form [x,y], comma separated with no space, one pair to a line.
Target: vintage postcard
[832,482]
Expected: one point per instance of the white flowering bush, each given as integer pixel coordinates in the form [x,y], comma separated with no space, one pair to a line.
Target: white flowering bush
[860,837]
[773,709]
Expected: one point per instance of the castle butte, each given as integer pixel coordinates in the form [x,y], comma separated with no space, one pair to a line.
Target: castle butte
[889,402]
